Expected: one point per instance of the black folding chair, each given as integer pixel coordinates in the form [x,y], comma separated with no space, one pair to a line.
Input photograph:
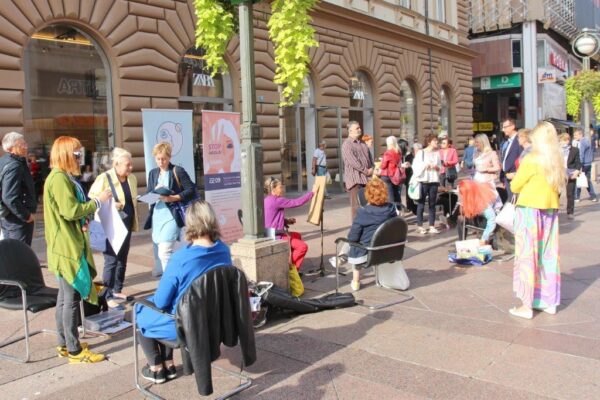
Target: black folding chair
[245,382]
[387,246]
[22,287]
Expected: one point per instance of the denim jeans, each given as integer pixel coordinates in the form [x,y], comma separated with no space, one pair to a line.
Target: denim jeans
[490,223]
[427,190]
[67,316]
[393,191]
[115,265]
[587,170]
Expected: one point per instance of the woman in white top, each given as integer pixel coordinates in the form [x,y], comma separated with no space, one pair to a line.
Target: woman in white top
[426,169]
[487,163]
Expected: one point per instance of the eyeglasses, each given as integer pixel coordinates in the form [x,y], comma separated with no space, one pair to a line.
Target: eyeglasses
[507,126]
[77,154]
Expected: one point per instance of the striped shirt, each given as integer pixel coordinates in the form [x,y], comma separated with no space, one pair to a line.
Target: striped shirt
[357,161]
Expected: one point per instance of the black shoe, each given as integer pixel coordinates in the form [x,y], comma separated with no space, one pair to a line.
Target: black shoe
[154,376]
[171,372]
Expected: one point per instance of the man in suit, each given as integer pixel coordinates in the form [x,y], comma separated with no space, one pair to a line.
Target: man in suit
[510,152]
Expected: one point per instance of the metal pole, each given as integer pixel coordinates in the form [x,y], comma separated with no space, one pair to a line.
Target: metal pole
[586,105]
[252,174]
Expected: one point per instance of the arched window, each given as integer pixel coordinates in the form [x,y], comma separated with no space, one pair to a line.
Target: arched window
[199,91]
[361,102]
[408,112]
[445,115]
[67,92]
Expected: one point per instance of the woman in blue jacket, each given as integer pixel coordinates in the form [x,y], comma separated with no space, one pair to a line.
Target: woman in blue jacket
[203,252]
[366,222]
[163,217]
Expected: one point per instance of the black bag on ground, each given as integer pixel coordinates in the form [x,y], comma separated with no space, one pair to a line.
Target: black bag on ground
[280,298]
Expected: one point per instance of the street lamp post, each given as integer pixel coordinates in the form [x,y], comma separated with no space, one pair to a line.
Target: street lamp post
[586,45]
[252,176]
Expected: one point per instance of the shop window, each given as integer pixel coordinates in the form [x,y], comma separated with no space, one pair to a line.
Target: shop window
[444,117]
[516,54]
[200,91]
[67,92]
[408,112]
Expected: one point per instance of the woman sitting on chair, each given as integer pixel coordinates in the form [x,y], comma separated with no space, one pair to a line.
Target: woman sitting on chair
[368,219]
[275,205]
[478,199]
[204,252]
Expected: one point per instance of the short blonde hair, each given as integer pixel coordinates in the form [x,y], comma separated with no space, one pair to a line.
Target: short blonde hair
[62,155]
[525,134]
[564,137]
[118,154]
[162,148]
[200,220]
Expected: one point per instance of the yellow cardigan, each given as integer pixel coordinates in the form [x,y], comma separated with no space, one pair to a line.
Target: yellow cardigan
[101,184]
[532,186]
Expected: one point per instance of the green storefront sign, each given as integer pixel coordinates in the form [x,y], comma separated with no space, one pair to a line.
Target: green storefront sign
[501,82]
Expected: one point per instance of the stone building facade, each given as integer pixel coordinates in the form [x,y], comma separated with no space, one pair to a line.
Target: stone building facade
[87,68]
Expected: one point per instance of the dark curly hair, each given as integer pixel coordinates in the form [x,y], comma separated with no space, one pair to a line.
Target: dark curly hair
[376,192]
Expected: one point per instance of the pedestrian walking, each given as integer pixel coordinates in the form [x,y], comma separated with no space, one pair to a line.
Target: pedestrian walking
[18,200]
[358,164]
[540,178]
[573,166]
[586,156]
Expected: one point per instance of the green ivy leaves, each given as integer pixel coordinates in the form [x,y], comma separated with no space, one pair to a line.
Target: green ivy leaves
[583,86]
[292,36]
[214,29]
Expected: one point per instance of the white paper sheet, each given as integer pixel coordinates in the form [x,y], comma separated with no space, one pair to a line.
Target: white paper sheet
[115,229]
[149,198]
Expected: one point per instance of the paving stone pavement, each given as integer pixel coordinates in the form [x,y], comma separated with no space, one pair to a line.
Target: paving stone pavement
[455,340]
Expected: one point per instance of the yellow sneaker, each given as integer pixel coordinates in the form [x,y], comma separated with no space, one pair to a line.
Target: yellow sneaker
[86,357]
[64,353]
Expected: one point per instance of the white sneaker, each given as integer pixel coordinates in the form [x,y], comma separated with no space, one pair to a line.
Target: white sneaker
[432,229]
[577,200]
[421,230]
[342,259]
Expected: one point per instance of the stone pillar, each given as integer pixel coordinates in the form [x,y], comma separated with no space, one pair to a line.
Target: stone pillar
[263,260]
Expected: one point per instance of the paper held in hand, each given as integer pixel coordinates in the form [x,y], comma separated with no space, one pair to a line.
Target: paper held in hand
[113,226]
[149,198]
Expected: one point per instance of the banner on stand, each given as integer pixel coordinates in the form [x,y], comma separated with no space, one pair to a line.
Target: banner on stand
[174,127]
[221,154]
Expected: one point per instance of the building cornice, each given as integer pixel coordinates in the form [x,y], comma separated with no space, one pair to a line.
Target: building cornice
[366,22]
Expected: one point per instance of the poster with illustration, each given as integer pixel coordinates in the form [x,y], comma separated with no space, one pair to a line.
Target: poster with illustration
[174,127]
[221,154]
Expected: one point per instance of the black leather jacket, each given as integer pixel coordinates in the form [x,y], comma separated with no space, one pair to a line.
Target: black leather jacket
[214,310]
[18,190]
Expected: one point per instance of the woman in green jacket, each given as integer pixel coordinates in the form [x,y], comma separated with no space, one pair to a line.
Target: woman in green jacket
[66,216]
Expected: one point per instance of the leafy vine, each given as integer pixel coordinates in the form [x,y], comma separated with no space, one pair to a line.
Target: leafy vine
[584,86]
[214,29]
[292,36]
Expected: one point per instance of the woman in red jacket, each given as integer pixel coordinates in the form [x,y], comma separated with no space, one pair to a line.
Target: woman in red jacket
[392,161]
[449,158]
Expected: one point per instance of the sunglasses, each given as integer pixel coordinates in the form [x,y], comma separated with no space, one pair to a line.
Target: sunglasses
[77,154]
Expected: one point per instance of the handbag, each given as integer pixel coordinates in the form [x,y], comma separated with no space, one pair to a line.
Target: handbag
[582,181]
[414,189]
[180,207]
[506,216]
[399,176]
[296,285]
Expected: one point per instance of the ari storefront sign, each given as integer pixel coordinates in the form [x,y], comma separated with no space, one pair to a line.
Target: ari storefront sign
[221,154]
[501,82]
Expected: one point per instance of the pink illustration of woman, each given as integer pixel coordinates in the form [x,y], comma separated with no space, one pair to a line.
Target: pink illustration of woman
[222,152]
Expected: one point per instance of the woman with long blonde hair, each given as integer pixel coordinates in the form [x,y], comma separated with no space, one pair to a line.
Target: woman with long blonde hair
[539,180]
[487,164]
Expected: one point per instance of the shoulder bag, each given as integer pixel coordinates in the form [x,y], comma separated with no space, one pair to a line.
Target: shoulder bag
[179,207]
[506,216]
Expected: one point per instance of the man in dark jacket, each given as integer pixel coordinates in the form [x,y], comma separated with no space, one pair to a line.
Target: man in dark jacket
[511,150]
[18,201]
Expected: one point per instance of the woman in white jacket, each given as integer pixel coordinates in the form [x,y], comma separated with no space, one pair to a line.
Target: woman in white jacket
[426,170]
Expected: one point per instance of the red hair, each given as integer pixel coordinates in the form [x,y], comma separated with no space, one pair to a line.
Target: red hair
[475,197]
[376,192]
